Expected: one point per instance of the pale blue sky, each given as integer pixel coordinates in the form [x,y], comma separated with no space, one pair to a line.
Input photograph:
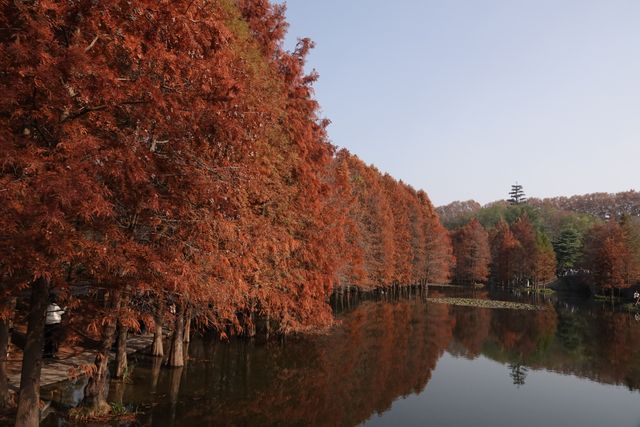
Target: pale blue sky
[464,97]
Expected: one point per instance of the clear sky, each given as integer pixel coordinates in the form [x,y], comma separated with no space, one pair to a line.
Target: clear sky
[464,97]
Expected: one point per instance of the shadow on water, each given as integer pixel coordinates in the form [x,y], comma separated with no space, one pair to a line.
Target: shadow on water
[385,348]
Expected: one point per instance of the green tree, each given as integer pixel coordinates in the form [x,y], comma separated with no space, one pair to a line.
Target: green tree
[517,195]
[568,247]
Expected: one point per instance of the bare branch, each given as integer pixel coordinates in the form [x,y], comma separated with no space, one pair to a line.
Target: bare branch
[92,43]
[81,112]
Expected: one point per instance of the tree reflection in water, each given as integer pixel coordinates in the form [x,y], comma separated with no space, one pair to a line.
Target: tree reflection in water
[379,352]
[518,373]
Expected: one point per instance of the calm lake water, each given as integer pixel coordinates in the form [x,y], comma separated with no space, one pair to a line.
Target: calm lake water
[409,362]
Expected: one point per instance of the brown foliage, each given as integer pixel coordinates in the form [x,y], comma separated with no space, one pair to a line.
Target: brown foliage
[472,253]
[171,148]
[608,256]
[520,254]
[391,233]
[455,212]
[602,205]
[175,152]
[504,249]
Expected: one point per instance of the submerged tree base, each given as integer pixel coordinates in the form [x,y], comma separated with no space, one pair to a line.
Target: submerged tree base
[84,413]
[472,302]
[106,413]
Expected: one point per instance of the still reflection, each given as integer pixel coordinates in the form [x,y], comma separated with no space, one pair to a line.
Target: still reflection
[380,351]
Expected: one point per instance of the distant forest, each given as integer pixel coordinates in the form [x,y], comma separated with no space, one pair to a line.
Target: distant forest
[595,237]
[601,205]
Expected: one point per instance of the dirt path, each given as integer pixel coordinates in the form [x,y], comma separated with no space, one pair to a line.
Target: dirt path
[57,370]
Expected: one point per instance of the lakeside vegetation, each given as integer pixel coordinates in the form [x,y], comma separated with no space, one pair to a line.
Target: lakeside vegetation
[484,303]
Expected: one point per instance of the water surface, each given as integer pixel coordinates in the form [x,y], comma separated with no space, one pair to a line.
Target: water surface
[411,362]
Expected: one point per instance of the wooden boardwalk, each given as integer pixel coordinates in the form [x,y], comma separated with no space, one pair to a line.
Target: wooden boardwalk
[57,370]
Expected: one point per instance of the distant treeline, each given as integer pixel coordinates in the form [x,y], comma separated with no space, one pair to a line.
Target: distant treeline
[603,249]
[601,205]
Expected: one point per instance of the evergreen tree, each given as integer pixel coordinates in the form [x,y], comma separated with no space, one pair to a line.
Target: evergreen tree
[517,195]
[568,248]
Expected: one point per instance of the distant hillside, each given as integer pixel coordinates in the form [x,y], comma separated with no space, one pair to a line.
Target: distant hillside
[602,205]
[451,214]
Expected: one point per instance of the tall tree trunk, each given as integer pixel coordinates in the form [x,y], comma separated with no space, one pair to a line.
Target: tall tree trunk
[176,355]
[263,328]
[158,348]
[251,327]
[95,392]
[5,342]
[121,341]
[187,325]
[4,348]
[29,398]
[121,351]
[117,392]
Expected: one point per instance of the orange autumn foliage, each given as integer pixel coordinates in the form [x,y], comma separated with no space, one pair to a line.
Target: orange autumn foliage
[175,151]
[392,234]
[472,252]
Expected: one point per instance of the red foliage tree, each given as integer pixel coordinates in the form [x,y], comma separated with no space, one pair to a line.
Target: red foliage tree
[390,233]
[399,202]
[143,161]
[524,232]
[521,255]
[375,227]
[438,249]
[350,261]
[168,161]
[606,256]
[472,252]
[631,229]
[504,254]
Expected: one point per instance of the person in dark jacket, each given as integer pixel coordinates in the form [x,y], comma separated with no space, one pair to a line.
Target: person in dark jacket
[52,329]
